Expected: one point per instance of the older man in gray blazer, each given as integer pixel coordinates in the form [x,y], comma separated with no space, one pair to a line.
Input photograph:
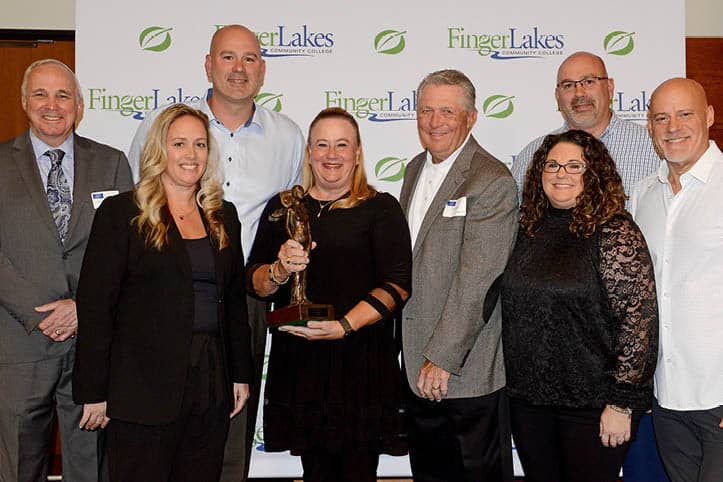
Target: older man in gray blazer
[461,204]
[51,183]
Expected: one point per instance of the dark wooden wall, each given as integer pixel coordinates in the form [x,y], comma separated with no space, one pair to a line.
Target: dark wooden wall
[704,63]
[18,49]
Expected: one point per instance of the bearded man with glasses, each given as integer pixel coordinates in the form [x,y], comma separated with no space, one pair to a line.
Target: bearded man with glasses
[584,92]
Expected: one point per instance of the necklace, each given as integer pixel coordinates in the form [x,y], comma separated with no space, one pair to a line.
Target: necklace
[181,216]
[322,206]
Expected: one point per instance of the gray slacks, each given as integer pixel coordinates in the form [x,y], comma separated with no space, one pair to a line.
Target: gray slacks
[690,443]
[237,455]
[30,396]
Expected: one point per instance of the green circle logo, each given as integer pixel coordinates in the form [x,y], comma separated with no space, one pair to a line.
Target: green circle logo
[619,43]
[269,100]
[498,106]
[390,169]
[389,42]
[155,38]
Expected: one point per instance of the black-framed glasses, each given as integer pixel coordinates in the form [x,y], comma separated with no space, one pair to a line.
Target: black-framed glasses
[585,82]
[573,167]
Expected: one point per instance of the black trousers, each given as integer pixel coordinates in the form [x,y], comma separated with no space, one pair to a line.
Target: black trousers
[191,447]
[320,466]
[459,439]
[560,444]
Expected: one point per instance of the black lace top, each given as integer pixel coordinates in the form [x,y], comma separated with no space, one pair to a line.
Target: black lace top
[580,316]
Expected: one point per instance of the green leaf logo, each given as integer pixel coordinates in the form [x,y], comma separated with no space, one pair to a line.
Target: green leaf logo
[619,42]
[269,100]
[498,106]
[389,42]
[390,169]
[155,38]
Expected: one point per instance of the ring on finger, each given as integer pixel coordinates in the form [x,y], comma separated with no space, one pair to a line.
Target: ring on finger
[58,332]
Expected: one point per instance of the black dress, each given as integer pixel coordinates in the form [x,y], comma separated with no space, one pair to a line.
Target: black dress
[580,317]
[341,395]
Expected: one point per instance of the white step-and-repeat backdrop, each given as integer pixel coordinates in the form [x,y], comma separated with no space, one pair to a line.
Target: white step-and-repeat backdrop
[368,58]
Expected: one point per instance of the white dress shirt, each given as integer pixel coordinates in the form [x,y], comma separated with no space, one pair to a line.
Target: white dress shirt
[429,180]
[259,159]
[685,236]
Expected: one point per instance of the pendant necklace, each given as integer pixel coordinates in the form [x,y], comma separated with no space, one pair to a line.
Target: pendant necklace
[322,206]
[183,215]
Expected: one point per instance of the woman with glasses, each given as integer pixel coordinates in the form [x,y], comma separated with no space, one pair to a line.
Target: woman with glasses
[579,316]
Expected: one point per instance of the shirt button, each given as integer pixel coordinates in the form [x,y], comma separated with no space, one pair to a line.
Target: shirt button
[228,183]
[229,159]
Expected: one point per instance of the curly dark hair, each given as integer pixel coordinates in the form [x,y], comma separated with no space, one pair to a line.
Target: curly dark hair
[602,197]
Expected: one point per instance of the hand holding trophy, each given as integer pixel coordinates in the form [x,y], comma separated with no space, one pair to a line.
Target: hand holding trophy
[300,309]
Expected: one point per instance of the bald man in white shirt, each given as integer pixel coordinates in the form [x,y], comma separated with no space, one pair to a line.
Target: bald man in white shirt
[680,211]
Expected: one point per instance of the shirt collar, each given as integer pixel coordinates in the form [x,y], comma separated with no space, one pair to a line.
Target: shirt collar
[40,147]
[254,120]
[700,170]
[447,163]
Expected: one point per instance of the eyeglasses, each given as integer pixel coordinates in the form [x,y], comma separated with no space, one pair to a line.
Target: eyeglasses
[586,83]
[570,168]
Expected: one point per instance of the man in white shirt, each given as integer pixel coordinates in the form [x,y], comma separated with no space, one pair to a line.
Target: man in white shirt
[461,204]
[261,154]
[680,211]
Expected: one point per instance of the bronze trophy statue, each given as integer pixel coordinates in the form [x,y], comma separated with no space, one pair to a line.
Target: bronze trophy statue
[300,309]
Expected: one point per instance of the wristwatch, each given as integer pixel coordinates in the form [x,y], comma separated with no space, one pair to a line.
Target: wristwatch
[348,330]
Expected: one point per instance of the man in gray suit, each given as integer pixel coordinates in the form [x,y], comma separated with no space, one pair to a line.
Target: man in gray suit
[51,183]
[461,204]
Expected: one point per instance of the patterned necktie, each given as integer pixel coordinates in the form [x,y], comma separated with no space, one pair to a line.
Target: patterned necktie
[59,199]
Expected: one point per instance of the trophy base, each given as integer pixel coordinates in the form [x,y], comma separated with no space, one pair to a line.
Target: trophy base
[300,314]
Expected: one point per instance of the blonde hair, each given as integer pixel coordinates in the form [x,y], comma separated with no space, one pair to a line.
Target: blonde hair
[360,190]
[150,196]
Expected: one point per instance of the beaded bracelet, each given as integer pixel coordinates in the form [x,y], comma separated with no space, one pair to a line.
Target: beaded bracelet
[273,278]
[622,410]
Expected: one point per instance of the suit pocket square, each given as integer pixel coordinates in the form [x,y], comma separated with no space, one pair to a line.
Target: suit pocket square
[455,207]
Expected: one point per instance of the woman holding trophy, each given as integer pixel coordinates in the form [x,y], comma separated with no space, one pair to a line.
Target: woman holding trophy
[333,390]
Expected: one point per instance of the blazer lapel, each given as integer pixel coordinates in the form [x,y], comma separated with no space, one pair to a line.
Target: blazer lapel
[413,170]
[24,158]
[455,177]
[81,184]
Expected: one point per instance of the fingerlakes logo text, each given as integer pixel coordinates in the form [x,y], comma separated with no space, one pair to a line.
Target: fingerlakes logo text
[629,106]
[513,43]
[134,105]
[302,41]
[388,106]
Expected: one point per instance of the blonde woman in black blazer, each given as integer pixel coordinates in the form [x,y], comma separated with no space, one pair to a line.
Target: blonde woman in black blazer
[163,351]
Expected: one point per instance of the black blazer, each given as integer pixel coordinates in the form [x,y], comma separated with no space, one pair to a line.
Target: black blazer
[135,316]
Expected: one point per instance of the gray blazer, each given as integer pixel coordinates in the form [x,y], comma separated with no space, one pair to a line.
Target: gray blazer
[455,260]
[35,268]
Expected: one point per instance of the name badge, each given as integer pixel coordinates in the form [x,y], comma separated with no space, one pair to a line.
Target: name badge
[99,196]
[455,207]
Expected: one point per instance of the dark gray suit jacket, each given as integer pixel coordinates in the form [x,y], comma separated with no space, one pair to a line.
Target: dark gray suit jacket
[455,260]
[35,268]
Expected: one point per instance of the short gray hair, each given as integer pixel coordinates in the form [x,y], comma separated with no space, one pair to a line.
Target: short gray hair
[451,77]
[57,63]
